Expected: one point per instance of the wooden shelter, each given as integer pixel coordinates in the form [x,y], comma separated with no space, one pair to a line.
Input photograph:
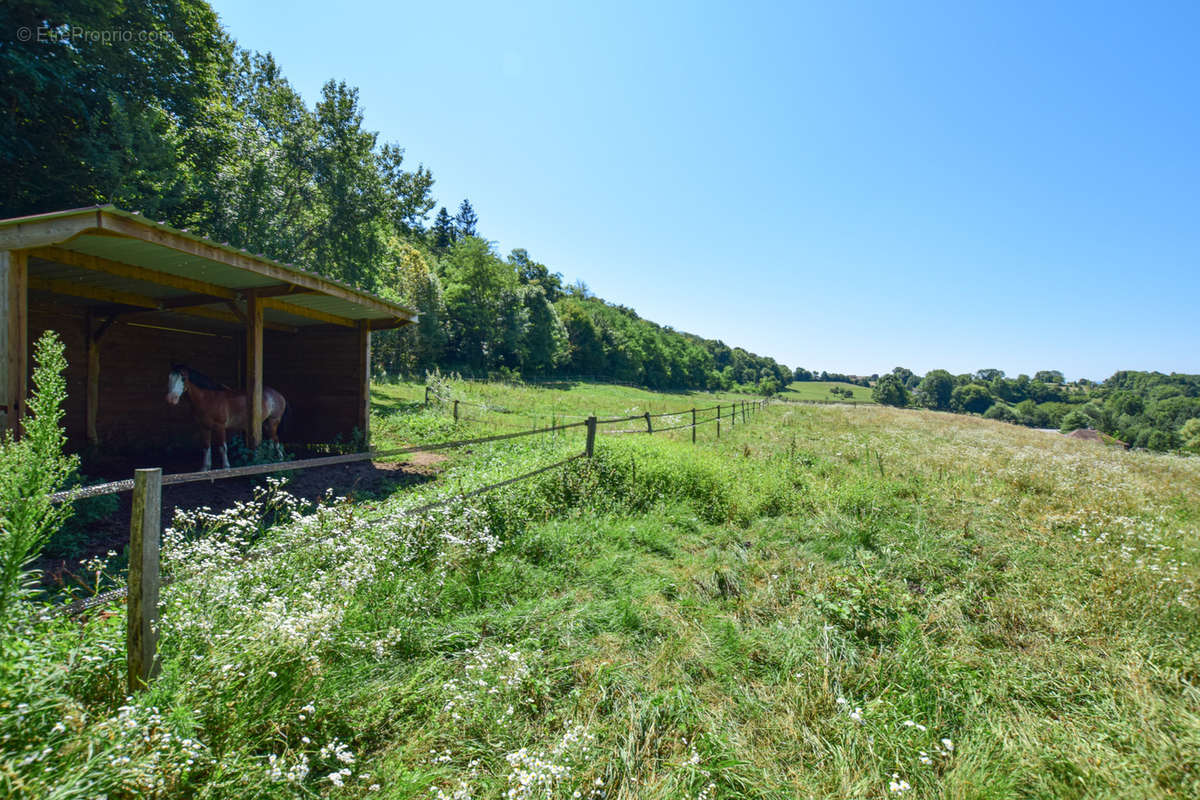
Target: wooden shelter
[129,297]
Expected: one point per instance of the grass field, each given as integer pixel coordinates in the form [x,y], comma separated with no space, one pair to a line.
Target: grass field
[527,405]
[819,390]
[830,601]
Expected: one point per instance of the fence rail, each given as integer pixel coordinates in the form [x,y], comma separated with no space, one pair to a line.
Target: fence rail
[145,579]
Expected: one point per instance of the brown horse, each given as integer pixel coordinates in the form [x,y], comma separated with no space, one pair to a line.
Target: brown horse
[217,407]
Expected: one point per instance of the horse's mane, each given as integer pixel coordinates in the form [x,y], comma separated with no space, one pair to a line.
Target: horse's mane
[197,377]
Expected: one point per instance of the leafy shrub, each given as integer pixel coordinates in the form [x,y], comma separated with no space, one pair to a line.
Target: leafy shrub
[1190,434]
[73,533]
[890,391]
[1001,413]
[1075,420]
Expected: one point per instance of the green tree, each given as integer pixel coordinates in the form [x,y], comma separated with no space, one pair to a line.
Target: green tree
[586,353]
[1190,435]
[972,398]
[476,284]
[1074,420]
[935,389]
[889,390]
[768,387]
[89,121]
[906,377]
[546,345]
[466,220]
[444,232]
[408,192]
[1001,413]
[413,349]
[532,273]
[346,240]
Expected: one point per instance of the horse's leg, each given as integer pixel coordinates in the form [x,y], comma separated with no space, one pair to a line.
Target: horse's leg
[272,426]
[224,449]
[207,465]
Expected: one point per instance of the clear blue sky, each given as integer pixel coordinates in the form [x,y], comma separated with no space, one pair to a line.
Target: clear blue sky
[842,186]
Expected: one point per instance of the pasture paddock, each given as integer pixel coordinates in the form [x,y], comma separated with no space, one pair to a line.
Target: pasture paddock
[818,391]
[824,603]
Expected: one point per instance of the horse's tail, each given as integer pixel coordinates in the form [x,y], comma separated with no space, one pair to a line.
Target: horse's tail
[286,415]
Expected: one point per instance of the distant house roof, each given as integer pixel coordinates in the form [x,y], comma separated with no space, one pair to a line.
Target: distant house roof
[102,254]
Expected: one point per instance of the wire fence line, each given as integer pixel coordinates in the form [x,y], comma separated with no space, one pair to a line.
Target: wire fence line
[446,399]
[175,479]
[116,487]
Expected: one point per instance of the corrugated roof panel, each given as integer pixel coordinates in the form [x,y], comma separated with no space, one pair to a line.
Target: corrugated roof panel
[163,259]
[335,305]
[52,270]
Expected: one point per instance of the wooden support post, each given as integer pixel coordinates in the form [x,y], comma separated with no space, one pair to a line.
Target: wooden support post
[14,338]
[427,396]
[591,436]
[456,411]
[649,427]
[254,370]
[718,420]
[141,638]
[92,408]
[693,426]
[363,407]
[92,405]
[743,411]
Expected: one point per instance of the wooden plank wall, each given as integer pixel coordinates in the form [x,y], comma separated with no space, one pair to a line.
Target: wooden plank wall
[134,362]
[316,371]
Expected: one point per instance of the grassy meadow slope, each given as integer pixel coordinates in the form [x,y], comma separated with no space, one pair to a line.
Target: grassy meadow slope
[819,391]
[523,405]
[831,601]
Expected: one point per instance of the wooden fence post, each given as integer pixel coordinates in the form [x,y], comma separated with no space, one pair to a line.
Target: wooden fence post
[145,526]
[743,411]
[649,428]
[456,411]
[591,436]
[718,420]
[693,425]
[426,395]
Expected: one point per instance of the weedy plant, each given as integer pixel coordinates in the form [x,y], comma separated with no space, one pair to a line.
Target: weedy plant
[31,468]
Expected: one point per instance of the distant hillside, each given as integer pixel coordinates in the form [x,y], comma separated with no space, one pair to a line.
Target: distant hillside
[612,341]
[1149,410]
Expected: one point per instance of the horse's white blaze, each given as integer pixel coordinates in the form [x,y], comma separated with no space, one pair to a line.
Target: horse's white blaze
[174,388]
